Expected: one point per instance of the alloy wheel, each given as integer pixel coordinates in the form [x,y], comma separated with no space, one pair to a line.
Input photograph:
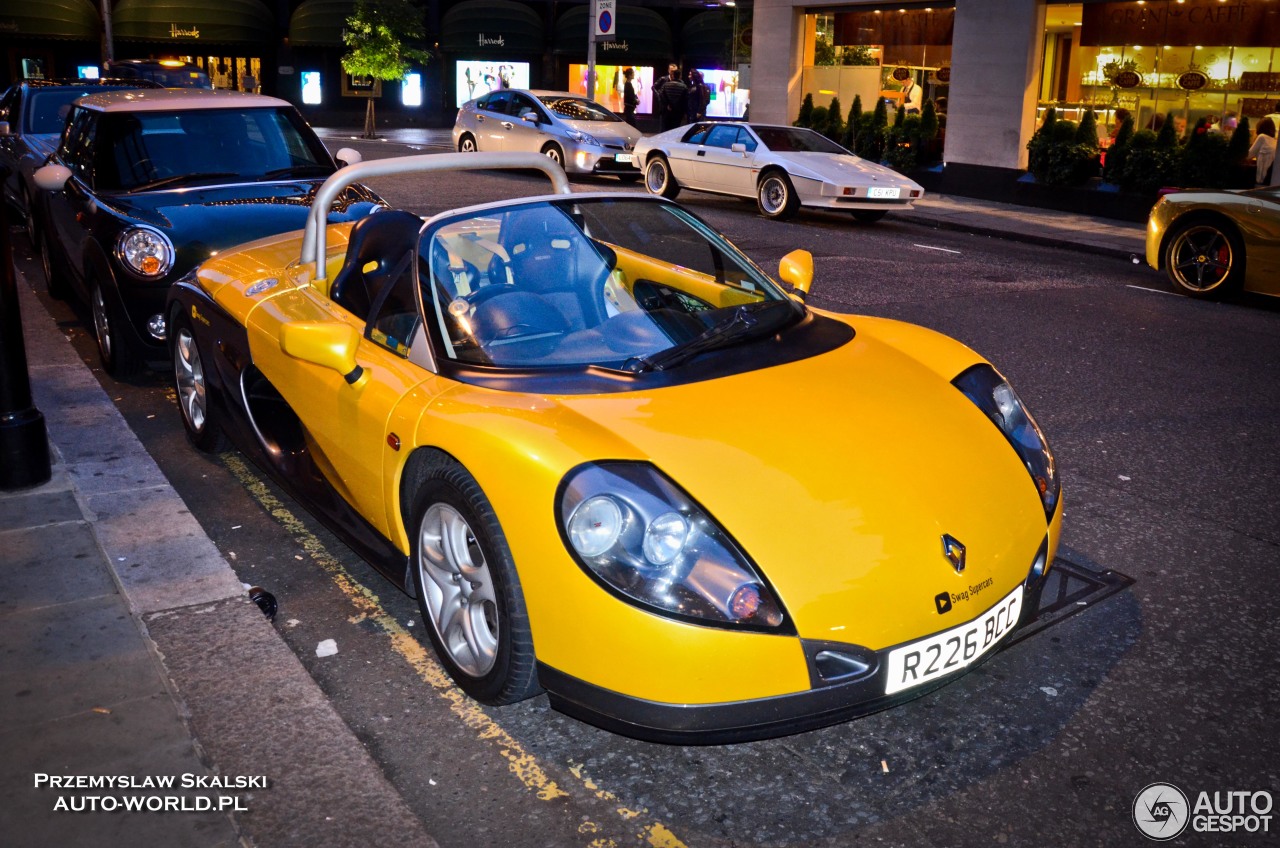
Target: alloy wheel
[459,590]
[101,323]
[1201,258]
[188,373]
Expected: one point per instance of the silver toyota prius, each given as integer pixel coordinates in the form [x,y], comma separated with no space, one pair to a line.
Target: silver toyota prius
[579,134]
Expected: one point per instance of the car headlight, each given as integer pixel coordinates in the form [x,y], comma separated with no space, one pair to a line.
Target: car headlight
[147,253]
[583,138]
[992,394]
[646,541]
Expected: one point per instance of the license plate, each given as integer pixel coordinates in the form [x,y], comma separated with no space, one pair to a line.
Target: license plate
[625,159]
[931,658]
[882,191]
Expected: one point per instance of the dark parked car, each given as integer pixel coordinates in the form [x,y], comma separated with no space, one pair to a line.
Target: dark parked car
[32,115]
[146,185]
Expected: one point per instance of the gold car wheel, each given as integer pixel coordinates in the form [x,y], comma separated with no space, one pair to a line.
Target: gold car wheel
[459,590]
[1203,259]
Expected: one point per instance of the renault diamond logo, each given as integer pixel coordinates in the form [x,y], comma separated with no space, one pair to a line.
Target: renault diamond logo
[954,552]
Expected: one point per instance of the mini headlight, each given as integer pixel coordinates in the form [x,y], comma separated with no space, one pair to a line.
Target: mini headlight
[646,541]
[992,394]
[147,253]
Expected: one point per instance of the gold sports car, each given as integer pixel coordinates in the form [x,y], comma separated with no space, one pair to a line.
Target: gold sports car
[1214,243]
[615,461]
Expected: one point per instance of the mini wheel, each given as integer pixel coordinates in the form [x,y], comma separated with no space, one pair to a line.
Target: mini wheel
[118,358]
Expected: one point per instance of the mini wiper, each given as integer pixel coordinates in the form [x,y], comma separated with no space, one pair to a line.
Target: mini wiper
[178,179]
[297,170]
[744,323]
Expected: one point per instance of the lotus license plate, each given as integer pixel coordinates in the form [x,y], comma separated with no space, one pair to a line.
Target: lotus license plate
[931,658]
[884,192]
[625,159]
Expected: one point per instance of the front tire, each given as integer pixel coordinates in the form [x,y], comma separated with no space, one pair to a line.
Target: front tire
[555,154]
[1205,259]
[118,358]
[776,197]
[200,416]
[467,144]
[868,216]
[659,180]
[468,590]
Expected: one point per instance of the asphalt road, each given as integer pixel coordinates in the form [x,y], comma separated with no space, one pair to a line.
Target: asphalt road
[1165,417]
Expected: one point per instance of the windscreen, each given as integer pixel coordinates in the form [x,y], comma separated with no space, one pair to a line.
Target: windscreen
[583,282]
[578,109]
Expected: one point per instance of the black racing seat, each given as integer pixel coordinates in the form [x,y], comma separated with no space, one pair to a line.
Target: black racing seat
[383,238]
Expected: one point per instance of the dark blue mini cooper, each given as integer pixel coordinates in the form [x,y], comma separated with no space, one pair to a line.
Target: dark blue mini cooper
[146,185]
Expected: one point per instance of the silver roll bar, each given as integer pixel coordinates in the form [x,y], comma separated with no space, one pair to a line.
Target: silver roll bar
[313,237]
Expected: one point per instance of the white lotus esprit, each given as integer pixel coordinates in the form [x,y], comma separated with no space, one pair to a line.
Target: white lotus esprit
[782,167]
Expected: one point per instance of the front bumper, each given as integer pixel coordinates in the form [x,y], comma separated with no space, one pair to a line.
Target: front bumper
[606,163]
[825,703]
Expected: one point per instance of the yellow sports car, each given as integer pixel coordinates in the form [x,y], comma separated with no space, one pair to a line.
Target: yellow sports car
[1213,243]
[615,461]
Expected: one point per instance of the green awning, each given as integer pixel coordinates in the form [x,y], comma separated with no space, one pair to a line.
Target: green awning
[319,23]
[491,26]
[71,19]
[642,34]
[709,36]
[191,23]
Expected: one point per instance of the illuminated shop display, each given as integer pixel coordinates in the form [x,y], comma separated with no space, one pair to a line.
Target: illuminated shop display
[727,100]
[609,85]
[476,78]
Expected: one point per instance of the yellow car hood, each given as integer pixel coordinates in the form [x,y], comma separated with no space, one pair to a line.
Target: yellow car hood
[838,475]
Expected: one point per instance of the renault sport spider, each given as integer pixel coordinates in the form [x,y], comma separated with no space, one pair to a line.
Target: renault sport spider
[616,462]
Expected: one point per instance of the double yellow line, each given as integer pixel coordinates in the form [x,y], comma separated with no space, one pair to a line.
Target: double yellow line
[521,763]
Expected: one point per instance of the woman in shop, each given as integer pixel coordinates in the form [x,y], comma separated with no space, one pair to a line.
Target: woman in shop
[1263,151]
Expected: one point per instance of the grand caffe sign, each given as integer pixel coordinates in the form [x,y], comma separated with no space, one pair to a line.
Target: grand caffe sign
[1237,23]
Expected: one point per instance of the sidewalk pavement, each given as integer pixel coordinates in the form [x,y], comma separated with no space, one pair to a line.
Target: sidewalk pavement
[1099,236]
[130,647]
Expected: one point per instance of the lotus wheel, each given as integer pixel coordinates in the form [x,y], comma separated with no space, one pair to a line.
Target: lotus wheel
[468,589]
[555,154]
[775,196]
[118,358]
[658,178]
[1205,259]
[199,418]
[467,144]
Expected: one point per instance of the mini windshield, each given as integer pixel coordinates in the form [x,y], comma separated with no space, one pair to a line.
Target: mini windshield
[611,283]
[795,140]
[578,109]
[139,150]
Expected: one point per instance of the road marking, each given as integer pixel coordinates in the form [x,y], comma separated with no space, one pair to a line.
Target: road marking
[521,763]
[931,247]
[1153,291]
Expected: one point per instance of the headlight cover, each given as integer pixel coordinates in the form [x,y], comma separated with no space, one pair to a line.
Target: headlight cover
[645,541]
[147,253]
[584,138]
[992,394]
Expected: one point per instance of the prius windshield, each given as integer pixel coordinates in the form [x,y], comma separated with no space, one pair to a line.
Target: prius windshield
[612,283]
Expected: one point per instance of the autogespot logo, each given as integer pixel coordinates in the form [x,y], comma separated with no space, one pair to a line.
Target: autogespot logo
[1160,811]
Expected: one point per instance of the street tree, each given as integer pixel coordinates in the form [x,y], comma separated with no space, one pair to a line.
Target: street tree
[382,35]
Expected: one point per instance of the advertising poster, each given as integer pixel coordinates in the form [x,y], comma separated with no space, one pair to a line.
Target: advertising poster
[727,100]
[478,78]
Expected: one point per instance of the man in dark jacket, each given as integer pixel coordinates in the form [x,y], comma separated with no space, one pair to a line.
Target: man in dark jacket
[672,96]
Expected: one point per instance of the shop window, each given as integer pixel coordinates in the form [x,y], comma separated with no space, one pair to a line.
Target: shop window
[312,94]
[87,72]
[411,90]
[609,85]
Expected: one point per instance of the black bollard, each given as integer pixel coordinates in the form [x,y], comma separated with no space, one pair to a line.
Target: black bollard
[24,445]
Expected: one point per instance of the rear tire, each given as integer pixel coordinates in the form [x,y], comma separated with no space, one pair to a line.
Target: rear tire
[1205,259]
[659,180]
[118,358]
[468,590]
[200,416]
[776,197]
[54,282]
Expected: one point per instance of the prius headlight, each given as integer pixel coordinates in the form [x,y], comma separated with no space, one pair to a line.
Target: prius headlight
[584,138]
[146,252]
[646,541]
[992,394]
